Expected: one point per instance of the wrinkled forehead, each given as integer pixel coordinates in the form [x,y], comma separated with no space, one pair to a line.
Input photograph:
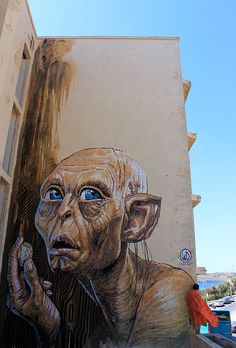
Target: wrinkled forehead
[99,165]
[86,174]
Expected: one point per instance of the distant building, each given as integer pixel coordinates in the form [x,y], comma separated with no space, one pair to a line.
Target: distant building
[201,271]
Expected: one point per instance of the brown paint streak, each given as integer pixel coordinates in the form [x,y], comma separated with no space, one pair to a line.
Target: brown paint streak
[52,75]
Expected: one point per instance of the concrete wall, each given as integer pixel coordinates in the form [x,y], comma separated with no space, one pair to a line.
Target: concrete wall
[127,93]
[3,9]
[16,35]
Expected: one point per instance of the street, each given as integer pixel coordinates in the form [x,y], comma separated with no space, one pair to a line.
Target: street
[229,307]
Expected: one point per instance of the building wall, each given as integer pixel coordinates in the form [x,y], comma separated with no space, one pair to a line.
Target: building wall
[118,92]
[127,93]
[17,39]
[3,8]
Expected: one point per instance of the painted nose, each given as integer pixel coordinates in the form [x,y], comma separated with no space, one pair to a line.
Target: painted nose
[66,210]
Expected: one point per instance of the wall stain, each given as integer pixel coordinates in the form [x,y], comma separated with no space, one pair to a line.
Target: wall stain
[8,26]
[52,76]
[7,99]
[18,56]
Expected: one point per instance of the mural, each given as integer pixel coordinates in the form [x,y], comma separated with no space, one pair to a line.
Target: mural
[92,206]
[73,278]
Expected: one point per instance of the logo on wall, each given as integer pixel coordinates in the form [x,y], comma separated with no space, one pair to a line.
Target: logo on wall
[185,256]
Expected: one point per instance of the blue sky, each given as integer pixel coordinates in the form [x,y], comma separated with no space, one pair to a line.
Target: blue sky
[207,31]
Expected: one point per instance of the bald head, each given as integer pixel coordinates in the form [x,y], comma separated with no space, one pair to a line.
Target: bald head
[127,173]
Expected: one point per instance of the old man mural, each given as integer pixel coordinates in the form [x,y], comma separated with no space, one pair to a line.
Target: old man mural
[93,205]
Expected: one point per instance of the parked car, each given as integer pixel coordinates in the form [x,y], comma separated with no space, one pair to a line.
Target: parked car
[218,303]
[224,327]
[233,326]
[228,299]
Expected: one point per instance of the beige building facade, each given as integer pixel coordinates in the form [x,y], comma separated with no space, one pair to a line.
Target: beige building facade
[17,45]
[120,92]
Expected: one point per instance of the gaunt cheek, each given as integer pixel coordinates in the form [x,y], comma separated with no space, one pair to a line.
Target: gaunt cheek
[93,209]
[47,210]
[100,213]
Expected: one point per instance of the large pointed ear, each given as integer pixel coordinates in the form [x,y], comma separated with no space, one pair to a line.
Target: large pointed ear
[142,214]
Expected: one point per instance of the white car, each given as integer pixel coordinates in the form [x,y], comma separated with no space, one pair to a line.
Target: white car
[233,326]
[218,303]
[228,299]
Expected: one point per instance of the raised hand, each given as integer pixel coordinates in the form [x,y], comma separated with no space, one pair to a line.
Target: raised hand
[29,299]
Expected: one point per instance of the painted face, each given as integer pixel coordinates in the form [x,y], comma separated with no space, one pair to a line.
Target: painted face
[81,211]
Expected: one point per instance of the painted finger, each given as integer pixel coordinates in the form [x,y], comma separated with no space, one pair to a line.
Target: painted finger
[46,284]
[13,267]
[31,276]
[49,292]
[22,280]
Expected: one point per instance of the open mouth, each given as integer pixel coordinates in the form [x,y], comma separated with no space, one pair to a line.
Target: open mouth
[62,245]
[63,241]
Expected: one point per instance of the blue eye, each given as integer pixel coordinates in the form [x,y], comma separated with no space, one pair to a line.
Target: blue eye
[89,194]
[54,195]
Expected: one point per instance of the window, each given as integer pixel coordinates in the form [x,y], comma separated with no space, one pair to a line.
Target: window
[11,143]
[20,87]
